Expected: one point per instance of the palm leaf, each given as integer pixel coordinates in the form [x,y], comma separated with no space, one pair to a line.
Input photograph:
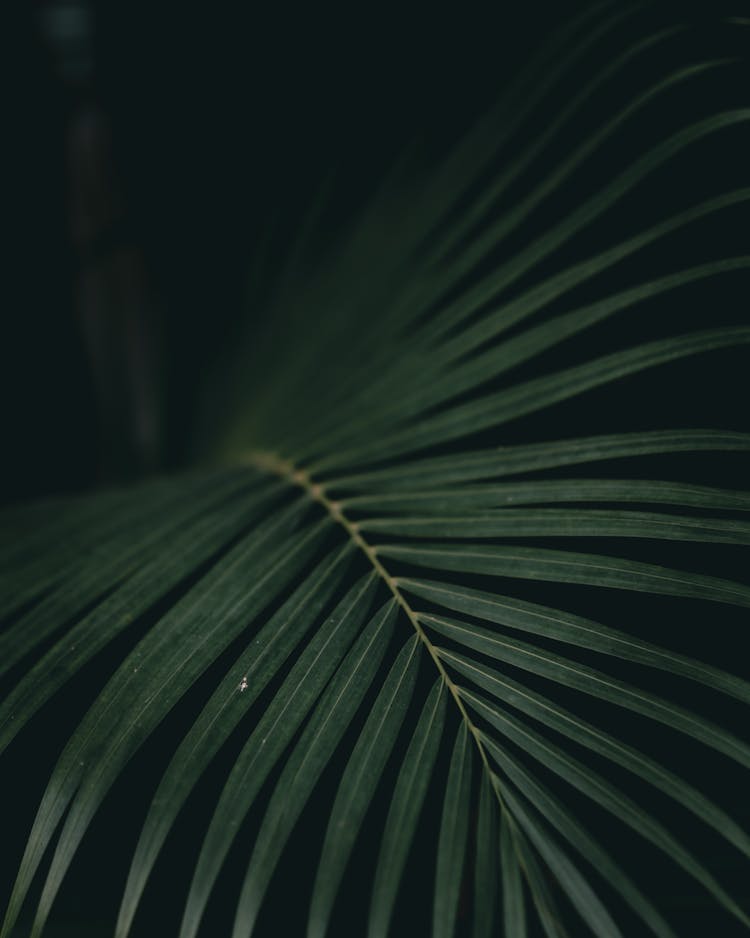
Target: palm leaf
[292,602]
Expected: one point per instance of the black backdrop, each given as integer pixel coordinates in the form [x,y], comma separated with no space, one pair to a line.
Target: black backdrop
[223,124]
[221,121]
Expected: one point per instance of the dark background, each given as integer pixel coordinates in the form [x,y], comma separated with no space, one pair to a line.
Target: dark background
[221,124]
[221,127]
[218,128]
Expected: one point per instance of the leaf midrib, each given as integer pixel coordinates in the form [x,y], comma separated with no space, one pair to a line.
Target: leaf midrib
[293,475]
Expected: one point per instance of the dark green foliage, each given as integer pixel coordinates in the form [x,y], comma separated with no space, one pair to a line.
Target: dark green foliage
[381,621]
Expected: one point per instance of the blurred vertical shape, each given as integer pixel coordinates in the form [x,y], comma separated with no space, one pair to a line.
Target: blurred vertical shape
[115,305]
[116,309]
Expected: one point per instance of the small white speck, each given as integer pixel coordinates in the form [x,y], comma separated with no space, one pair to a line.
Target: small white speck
[243,684]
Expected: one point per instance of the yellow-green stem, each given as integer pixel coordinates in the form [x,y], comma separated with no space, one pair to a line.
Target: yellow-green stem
[269,462]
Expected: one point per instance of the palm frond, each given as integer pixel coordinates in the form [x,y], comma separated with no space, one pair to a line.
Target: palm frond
[304,599]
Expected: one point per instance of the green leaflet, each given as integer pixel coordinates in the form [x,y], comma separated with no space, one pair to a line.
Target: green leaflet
[164,665]
[595,206]
[540,891]
[520,163]
[604,793]
[554,522]
[496,409]
[508,314]
[290,706]
[549,491]
[408,797]
[455,379]
[454,830]
[444,188]
[527,258]
[561,819]
[42,541]
[519,349]
[560,566]
[518,101]
[193,544]
[565,627]
[590,681]
[368,368]
[514,909]
[358,783]
[229,703]
[553,716]
[575,886]
[140,536]
[487,861]
[503,277]
[450,375]
[511,460]
[320,739]
[447,382]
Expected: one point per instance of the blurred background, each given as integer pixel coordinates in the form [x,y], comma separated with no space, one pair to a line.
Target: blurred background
[152,150]
[156,151]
